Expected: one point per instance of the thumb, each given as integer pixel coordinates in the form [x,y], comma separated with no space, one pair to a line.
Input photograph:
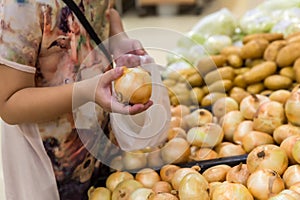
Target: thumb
[112,75]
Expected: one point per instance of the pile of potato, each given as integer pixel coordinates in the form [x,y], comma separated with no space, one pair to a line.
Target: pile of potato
[265,63]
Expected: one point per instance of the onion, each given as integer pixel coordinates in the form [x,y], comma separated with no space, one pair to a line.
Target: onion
[287,145]
[134,160]
[216,173]
[162,186]
[284,131]
[140,194]
[124,189]
[255,139]
[241,130]
[204,154]
[230,122]
[208,135]
[117,163]
[212,187]
[295,187]
[180,110]
[286,195]
[193,186]
[296,151]
[291,175]
[238,174]
[292,107]
[99,193]
[267,156]
[231,150]
[154,159]
[231,191]
[268,117]
[148,177]
[167,172]
[250,104]
[280,96]
[117,177]
[175,151]
[238,94]
[176,132]
[179,174]
[220,146]
[134,86]
[175,122]
[162,196]
[223,106]
[265,183]
[198,117]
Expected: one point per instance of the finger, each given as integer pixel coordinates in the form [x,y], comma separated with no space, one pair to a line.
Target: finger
[138,108]
[111,75]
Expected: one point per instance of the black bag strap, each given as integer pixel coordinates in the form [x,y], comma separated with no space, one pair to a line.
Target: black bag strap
[72,5]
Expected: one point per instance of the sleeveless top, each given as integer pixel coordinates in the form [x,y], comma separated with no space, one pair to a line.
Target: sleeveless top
[48,160]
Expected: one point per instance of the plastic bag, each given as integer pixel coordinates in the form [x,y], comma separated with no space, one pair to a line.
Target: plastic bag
[149,128]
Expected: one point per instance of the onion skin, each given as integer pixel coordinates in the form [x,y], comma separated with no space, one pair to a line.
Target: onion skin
[268,117]
[117,177]
[241,130]
[216,173]
[296,187]
[162,196]
[179,174]
[287,145]
[140,194]
[238,174]
[250,104]
[230,122]
[267,157]
[134,86]
[208,135]
[231,150]
[167,172]
[124,189]
[99,193]
[291,176]
[286,195]
[265,183]
[148,177]
[292,107]
[231,191]
[176,151]
[255,139]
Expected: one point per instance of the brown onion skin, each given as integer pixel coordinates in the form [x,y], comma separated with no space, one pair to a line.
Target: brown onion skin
[198,117]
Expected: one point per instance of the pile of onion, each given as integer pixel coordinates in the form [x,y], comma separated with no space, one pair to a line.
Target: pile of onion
[250,104]
[228,190]
[134,86]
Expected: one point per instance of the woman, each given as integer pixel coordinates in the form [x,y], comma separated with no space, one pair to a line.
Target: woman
[44,56]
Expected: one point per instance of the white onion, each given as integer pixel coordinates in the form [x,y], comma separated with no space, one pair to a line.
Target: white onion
[162,186]
[180,110]
[199,117]
[204,154]
[99,193]
[250,104]
[176,151]
[223,106]
[296,187]
[268,117]
[134,86]
[267,156]
[241,130]
[141,194]
[176,132]
[124,189]
[286,195]
[162,196]
[284,131]
[288,144]
[231,191]
[254,139]
[216,173]
[230,122]
[179,174]
[117,177]
[296,151]
[148,177]
[231,150]
[291,176]
[167,172]
[265,183]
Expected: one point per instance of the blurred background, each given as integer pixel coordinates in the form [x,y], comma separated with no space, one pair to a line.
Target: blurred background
[176,15]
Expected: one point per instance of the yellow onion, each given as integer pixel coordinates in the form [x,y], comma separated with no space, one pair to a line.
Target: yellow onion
[162,186]
[241,130]
[231,150]
[117,163]
[267,156]
[179,174]
[212,187]
[280,96]
[193,186]
[117,177]
[208,135]
[231,191]
[286,195]
[176,132]
[265,183]
[198,117]
[154,159]
[250,104]
[148,177]
[238,174]
[180,110]
[255,139]
[287,145]
[134,160]
[284,131]
[223,106]
[140,194]
[204,154]
[99,193]
[230,122]
[268,117]
[292,107]
[176,151]
[134,86]
[216,173]
[291,176]
[296,151]
[124,189]
[162,196]
[167,172]
[295,187]
[220,146]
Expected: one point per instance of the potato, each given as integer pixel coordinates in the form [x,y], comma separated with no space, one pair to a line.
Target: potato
[255,88]
[219,60]
[239,81]
[252,62]
[241,70]
[254,49]
[219,74]
[211,98]
[259,72]
[207,64]
[267,36]
[294,39]
[280,96]
[277,82]
[169,82]
[288,72]
[272,50]
[229,50]
[296,69]
[238,94]
[220,86]
[292,35]
[235,60]
[288,54]
[266,92]
[195,80]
